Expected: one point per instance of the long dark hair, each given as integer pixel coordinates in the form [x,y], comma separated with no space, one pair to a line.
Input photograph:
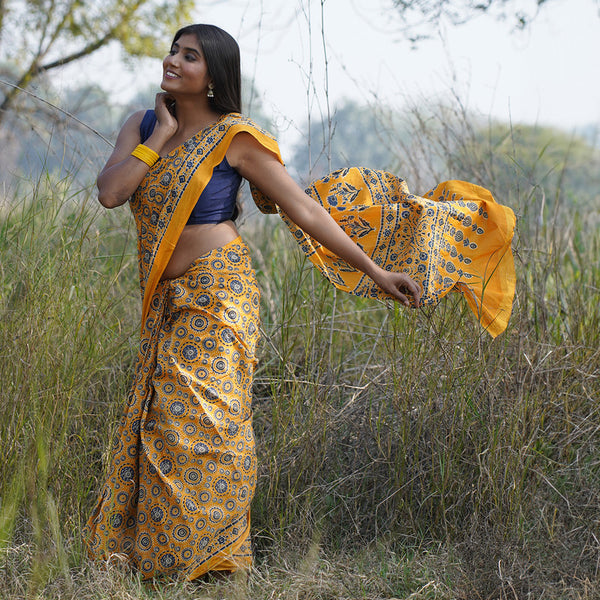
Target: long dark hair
[222,56]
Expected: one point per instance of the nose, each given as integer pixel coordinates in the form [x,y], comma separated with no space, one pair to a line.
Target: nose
[172,59]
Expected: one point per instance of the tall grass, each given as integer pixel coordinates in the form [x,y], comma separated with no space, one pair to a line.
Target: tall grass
[67,332]
[402,454]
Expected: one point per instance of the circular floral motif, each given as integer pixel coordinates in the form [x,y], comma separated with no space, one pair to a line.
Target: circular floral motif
[215,515]
[220,365]
[172,437]
[203,543]
[122,497]
[181,532]
[165,466]
[157,514]
[211,394]
[192,476]
[226,458]
[144,541]
[177,409]
[189,352]
[236,286]
[232,315]
[127,473]
[198,323]
[190,505]
[209,344]
[200,448]
[147,566]
[221,486]
[204,300]
[201,373]
[116,520]
[227,336]
[167,560]
[190,429]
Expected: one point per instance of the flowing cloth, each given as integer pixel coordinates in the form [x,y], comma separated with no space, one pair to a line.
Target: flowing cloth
[183,466]
[455,238]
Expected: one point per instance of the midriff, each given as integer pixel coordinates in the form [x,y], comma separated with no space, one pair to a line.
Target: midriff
[196,240]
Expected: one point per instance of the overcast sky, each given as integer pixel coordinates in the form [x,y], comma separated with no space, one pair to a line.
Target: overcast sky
[548,74]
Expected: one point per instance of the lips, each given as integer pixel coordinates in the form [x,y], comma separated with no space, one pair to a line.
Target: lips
[171,75]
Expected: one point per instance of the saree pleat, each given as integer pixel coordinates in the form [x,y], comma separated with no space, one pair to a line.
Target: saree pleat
[183,471]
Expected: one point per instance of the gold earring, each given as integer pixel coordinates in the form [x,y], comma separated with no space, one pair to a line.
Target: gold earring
[210,93]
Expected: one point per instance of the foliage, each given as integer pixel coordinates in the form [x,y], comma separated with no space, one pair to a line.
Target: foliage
[519,162]
[357,135]
[420,17]
[57,33]
[44,138]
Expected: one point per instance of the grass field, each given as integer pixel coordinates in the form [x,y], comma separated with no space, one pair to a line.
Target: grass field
[401,454]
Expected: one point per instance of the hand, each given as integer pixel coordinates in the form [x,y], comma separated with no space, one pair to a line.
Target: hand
[164,108]
[399,285]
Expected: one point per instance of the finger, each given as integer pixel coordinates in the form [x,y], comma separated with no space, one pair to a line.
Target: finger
[401,297]
[415,290]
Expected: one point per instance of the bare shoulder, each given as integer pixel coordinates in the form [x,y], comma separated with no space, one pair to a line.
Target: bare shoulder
[245,149]
[132,123]
[127,140]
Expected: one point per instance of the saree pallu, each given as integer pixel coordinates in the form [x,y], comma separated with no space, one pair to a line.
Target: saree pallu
[183,468]
[455,237]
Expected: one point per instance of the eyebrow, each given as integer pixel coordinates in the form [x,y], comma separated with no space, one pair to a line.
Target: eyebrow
[187,49]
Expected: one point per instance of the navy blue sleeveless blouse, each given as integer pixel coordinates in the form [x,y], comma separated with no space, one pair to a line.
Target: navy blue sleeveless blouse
[217,203]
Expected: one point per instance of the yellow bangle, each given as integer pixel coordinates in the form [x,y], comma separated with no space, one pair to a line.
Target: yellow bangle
[145,154]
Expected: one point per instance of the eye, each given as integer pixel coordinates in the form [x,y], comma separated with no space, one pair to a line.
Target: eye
[190,57]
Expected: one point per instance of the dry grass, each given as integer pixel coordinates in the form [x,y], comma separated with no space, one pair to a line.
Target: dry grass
[402,455]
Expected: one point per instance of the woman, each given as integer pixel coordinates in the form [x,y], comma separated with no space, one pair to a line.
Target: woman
[183,469]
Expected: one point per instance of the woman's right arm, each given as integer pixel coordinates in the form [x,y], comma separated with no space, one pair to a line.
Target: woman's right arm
[123,173]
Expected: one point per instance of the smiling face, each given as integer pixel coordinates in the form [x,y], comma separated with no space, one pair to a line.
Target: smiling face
[184,68]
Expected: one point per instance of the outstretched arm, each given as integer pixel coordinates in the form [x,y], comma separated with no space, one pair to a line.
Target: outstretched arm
[262,169]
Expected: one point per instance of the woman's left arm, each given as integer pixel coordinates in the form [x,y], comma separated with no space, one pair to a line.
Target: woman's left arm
[261,168]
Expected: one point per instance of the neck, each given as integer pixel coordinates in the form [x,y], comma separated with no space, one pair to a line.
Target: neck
[193,115]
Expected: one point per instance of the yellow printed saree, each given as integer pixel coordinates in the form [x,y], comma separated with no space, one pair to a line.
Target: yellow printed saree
[454,238]
[183,468]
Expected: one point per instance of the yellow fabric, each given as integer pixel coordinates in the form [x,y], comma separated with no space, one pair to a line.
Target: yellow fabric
[183,466]
[455,237]
[166,197]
